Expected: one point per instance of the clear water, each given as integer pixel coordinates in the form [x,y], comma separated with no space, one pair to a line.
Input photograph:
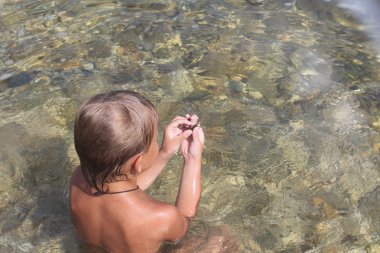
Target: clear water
[288,92]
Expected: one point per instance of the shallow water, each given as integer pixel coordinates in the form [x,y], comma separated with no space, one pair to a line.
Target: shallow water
[288,93]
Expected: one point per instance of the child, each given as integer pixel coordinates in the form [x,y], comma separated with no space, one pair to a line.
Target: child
[115,137]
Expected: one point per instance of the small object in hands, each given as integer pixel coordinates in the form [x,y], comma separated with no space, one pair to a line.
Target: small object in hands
[194,126]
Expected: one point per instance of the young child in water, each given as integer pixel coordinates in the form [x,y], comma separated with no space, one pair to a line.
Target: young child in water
[115,137]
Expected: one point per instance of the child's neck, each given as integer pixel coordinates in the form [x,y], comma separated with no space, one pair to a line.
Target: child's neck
[122,185]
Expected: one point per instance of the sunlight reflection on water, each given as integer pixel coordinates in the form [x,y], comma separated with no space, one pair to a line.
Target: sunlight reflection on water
[287,91]
[367,12]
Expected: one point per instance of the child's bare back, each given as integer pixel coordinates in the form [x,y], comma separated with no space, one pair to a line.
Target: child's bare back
[121,222]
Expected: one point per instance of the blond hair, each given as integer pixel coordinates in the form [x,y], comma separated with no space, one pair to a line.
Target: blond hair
[109,129]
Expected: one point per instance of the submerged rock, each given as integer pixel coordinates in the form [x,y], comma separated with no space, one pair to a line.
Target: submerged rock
[129,74]
[197,95]
[369,206]
[255,2]
[98,49]
[180,82]
[88,66]
[369,97]
[5,76]
[266,240]
[320,8]
[373,248]
[19,80]
[160,5]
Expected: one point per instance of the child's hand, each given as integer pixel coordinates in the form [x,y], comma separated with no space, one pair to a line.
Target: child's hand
[176,132]
[192,147]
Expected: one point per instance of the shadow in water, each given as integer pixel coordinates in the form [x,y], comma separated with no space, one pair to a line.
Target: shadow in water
[35,208]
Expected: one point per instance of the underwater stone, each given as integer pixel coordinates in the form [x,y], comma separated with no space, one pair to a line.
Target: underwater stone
[374,248]
[134,74]
[369,206]
[297,125]
[64,17]
[128,38]
[62,34]
[278,22]
[88,66]
[192,57]
[9,62]
[21,32]
[236,86]
[148,46]
[376,122]
[180,82]
[260,200]
[167,68]
[50,20]
[105,64]
[255,2]
[235,115]
[197,96]
[266,240]
[370,99]
[255,94]
[160,51]
[100,49]
[70,64]
[148,5]
[19,80]
[157,32]
[321,8]
[5,76]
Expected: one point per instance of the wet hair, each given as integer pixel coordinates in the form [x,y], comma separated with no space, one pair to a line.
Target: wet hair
[109,129]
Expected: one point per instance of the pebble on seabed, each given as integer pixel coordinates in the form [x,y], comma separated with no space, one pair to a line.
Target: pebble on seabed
[5,76]
[19,80]
[255,2]
[88,66]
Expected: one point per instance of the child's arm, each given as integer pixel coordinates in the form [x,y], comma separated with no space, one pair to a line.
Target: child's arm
[147,177]
[176,220]
[190,188]
[173,136]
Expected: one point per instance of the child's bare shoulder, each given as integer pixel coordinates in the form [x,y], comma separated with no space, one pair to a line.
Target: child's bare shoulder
[167,212]
[173,223]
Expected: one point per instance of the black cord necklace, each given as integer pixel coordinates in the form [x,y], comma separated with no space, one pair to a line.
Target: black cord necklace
[130,190]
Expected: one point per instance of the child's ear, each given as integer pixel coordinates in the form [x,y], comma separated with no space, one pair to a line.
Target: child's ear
[136,164]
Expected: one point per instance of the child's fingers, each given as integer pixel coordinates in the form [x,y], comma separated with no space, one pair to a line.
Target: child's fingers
[194,118]
[198,135]
[201,135]
[186,134]
[180,121]
[178,118]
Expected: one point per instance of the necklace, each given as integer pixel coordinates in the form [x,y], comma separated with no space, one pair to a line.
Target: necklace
[130,190]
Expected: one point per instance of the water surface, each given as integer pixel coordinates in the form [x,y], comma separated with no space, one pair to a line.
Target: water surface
[287,91]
